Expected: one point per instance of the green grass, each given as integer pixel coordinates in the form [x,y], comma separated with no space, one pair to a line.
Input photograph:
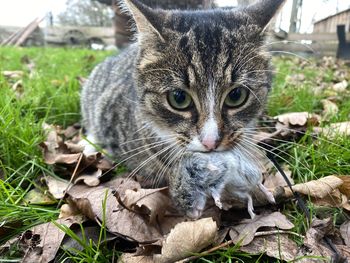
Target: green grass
[52,95]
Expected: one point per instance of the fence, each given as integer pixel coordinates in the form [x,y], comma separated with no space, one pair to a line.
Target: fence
[319,44]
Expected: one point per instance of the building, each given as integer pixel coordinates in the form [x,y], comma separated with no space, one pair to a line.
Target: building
[329,24]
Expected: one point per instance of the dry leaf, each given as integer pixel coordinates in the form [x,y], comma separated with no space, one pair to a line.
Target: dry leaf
[334,129]
[298,118]
[244,232]
[90,180]
[345,187]
[50,238]
[13,74]
[334,199]
[316,188]
[330,109]
[276,246]
[341,86]
[314,243]
[119,220]
[131,258]
[152,202]
[67,210]
[67,155]
[345,232]
[57,187]
[187,238]
[17,87]
[37,197]
[272,181]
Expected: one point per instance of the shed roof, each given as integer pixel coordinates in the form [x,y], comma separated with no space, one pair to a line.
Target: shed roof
[328,17]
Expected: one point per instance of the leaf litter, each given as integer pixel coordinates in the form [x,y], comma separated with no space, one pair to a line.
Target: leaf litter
[147,220]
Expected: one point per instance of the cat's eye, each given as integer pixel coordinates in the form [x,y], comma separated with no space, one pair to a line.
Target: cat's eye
[237,97]
[179,99]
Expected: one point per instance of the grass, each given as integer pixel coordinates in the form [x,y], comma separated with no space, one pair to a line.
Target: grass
[52,95]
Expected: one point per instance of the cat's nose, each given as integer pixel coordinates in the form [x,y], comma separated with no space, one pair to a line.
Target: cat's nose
[210,143]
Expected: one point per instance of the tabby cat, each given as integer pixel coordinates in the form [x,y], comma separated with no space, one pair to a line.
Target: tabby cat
[194,81]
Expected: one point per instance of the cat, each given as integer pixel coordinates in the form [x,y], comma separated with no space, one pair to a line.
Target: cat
[194,81]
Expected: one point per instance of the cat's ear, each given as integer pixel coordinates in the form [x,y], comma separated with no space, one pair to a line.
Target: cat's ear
[148,21]
[263,10]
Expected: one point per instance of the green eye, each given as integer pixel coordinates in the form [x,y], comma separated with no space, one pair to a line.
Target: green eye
[237,97]
[179,99]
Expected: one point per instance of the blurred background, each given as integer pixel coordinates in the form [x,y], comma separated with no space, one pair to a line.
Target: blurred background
[318,26]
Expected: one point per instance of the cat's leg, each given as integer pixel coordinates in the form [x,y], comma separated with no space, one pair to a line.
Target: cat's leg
[269,196]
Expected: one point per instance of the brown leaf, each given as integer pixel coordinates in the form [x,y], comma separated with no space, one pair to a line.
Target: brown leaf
[57,187]
[314,242]
[316,188]
[131,258]
[67,210]
[118,219]
[276,246]
[340,86]
[68,159]
[187,238]
[50,238]
[245,231]
[345,187]
[345,232]
[334,129]
[333,199]
[274,180]
[17,87]
[37,197]
[91,179]
[13,74]
[298,118]
[153,202]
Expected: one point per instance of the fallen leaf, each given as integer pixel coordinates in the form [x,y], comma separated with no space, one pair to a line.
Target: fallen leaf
[340,86]
[13,74]
[334,129]
[333,199]
[37,197]
[119,220]
[330,109]
[67,210]
[345,187]
[187,238]
[244,232]
[314,242]
[131,258]
[298,118]
[277,246]
[152,202]
[345,232]
[272,181]
[316,188]
[90,180]
[17,87]
[49,238]
[57,186]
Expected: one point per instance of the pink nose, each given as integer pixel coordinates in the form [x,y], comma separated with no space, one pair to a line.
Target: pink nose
[209,143]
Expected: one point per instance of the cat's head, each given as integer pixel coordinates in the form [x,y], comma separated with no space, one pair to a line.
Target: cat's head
[202,76]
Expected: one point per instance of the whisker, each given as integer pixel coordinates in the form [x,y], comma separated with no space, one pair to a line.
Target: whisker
[287,154]
[146,138]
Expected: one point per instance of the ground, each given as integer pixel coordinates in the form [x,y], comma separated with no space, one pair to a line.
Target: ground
[46,90]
